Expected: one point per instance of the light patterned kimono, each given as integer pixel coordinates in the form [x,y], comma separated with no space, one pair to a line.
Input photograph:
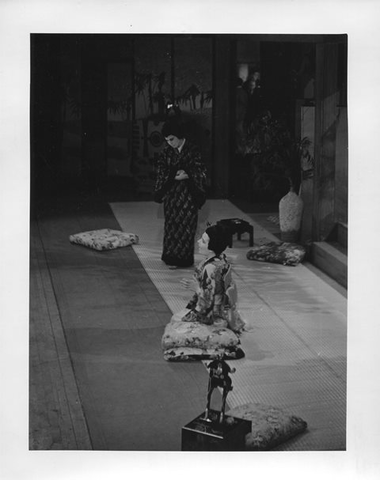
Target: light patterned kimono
[213,301]
[210,325]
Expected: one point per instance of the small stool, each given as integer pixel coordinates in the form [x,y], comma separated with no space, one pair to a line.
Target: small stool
[236,225]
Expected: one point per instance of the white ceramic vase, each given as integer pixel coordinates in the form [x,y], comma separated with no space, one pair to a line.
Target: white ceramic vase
[290,215]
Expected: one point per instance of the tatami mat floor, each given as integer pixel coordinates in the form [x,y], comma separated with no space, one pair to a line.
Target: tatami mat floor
[296,338]
[97,377]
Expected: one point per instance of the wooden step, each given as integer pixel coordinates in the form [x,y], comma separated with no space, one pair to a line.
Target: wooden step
[331,259]
[342,234]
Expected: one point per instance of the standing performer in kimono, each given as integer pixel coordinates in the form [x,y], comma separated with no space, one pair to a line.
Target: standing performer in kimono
[180,185]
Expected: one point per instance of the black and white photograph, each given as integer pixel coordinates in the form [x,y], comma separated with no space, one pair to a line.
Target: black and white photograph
[188,244]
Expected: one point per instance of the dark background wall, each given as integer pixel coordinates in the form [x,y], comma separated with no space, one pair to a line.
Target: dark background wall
[98,103]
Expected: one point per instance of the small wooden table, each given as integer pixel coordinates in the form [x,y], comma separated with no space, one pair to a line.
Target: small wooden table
[239,226]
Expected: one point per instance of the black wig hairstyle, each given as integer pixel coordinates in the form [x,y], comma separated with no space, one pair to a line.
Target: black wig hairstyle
[172,127]
[219,238]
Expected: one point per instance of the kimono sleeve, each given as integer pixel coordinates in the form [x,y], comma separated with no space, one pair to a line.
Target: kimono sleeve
[203,301]
[197,178]
[165,177]
[206,293]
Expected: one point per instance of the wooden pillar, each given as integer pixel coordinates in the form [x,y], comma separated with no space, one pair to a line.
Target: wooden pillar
[93,111]
[307,124]
[222,116]
[327,98]
[341,170]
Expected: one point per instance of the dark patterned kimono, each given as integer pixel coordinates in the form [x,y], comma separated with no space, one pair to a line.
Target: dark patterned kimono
[182,200]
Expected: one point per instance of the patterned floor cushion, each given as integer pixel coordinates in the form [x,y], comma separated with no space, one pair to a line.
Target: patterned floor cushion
[104,239]
[183,341]
[284,253]
[271,426]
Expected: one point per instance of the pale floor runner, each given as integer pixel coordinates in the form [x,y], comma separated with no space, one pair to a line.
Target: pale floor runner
[295,343]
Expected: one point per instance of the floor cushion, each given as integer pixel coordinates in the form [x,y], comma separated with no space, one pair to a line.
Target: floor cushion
[183,341]
[271,426]
[104,239]
[284,253]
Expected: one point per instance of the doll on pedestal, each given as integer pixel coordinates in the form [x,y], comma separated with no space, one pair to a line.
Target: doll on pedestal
[219,377]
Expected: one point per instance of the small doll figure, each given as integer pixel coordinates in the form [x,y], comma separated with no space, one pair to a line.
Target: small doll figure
[219,377]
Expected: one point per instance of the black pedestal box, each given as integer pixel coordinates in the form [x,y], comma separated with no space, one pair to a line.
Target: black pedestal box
[200,435]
